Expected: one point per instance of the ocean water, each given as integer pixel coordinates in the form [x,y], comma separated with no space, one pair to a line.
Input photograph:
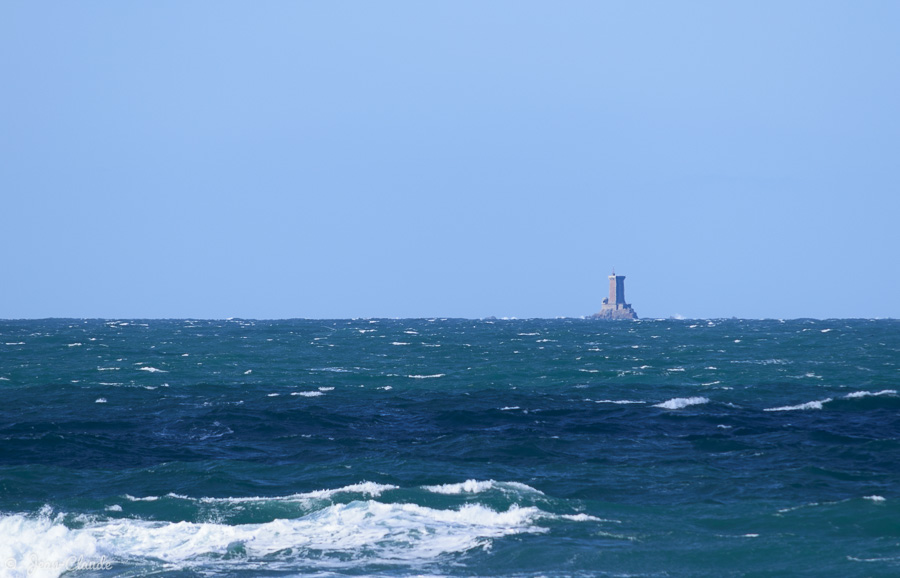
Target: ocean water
[567,447]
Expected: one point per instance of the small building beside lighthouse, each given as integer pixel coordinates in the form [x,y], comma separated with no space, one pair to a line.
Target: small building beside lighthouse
[614,306]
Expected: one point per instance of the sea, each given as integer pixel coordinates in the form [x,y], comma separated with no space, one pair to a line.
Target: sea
[449,447]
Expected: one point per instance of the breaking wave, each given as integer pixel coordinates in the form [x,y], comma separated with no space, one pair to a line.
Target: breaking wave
[477,487]
[334,535]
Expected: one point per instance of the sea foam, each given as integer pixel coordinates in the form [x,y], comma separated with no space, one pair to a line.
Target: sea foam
[40,547]
[380,532]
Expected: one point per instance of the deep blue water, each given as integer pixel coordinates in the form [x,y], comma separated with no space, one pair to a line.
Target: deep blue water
[450,447]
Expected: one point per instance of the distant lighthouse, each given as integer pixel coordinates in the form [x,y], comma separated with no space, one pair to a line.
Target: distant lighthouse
[614,306]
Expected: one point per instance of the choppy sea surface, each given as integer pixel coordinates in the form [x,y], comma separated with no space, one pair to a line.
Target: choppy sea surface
[449,447]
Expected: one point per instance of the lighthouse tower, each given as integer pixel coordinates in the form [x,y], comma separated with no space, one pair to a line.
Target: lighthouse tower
[616,290]
[614,306]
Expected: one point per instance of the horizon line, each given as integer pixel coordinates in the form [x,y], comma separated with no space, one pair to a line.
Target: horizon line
[444,318]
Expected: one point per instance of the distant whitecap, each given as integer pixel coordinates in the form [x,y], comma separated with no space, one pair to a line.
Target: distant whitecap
[858,394]
[802,406]
[682,402]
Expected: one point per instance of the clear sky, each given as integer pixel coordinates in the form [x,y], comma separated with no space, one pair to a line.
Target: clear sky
[450,158]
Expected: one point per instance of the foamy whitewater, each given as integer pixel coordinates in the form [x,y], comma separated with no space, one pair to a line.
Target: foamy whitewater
[449,447]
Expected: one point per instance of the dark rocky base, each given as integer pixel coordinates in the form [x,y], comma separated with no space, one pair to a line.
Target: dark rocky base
[615,314]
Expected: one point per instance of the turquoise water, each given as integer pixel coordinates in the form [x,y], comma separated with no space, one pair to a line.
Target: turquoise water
[450,447]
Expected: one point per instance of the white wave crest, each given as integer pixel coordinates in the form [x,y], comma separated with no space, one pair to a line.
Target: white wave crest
[858,394]
[152,369]
[618,401]
[386,533]
[436,375]
[802,406]
[307,393]
[682,402]
[366,489]
[587,518]
[478,486]
[41,547]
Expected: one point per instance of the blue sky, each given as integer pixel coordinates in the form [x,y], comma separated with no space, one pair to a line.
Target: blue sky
[416,159]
